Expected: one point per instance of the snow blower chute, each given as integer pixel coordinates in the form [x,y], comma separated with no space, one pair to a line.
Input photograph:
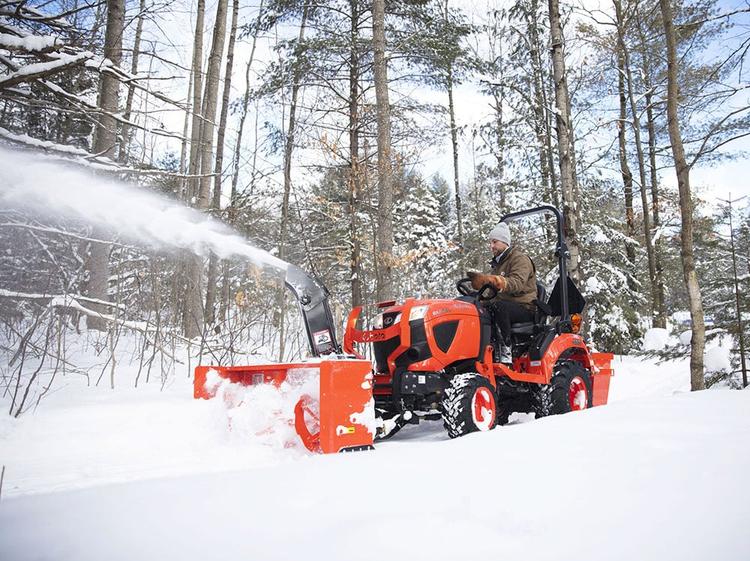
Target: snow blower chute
[338,414]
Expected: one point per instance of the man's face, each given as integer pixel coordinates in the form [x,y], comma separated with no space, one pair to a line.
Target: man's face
[497,247]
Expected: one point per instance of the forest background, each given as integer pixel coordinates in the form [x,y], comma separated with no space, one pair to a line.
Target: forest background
[374,144]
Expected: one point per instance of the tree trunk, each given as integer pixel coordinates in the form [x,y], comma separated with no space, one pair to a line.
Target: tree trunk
[195,130]
[564,142]
[210,101]
[698,338]
[454,146]
[627,175]
[243,116]
[621,25]
[201,150]
[213,261]
[355,173]
[183,189]
[385,289]
[126,130]
[541,121]
[232,210]
[660,313]
[105,141]
[288,150]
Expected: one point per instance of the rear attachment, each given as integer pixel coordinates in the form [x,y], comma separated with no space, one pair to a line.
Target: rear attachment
[337,416]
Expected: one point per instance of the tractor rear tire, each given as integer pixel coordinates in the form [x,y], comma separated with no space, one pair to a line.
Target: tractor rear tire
[469,405]
[569,390]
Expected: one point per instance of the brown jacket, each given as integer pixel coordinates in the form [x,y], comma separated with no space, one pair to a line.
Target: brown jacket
[520,275]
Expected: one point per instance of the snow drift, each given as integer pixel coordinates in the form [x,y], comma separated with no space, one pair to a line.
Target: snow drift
[658,474]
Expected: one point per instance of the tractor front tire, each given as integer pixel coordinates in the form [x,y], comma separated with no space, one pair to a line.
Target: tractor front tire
[469,405]
[569,390]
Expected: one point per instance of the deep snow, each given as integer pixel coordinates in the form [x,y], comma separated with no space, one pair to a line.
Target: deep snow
[660,473]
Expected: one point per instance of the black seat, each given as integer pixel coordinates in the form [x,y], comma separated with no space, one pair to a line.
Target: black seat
[527,328]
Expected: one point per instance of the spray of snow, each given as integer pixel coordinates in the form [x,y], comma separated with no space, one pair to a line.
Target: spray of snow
[51,188]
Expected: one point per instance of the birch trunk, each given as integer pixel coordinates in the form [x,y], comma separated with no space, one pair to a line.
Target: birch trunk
[540,102]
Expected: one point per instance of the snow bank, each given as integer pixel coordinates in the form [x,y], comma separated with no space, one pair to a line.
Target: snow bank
[143,473]
[657,339]
[718,351]
[628,481]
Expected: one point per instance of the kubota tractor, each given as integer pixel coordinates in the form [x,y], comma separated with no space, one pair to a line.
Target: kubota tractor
[432,361]
[433,358]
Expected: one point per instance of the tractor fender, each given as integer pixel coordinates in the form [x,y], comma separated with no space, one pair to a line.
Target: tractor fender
[566,346]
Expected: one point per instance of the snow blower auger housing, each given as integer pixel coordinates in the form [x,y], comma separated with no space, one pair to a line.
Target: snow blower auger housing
[338,414]
[434,360]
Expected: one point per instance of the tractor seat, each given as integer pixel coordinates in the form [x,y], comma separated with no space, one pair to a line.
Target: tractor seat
[527,328]
[522,328]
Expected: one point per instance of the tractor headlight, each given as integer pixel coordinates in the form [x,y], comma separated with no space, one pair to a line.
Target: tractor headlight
[417,312]
[381,321]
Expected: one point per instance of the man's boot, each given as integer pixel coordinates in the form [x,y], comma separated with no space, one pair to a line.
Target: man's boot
[504,355]
[501,352]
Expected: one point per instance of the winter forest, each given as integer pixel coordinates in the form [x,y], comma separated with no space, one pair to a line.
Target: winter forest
[373,144]
[239,238]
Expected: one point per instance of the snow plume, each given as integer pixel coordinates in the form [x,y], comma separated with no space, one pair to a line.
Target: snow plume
[51,188]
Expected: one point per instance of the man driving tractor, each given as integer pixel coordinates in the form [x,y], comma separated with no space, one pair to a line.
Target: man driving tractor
[514,278]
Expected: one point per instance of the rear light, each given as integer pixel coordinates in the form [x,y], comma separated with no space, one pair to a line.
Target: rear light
[386,304]
[575,322]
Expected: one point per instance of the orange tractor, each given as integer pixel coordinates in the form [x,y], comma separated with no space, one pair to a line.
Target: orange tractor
[433,360]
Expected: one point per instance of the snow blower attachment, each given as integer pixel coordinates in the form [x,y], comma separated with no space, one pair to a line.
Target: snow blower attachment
[338,414]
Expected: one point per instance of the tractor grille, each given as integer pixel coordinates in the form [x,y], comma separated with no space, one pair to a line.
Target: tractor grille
[383,350]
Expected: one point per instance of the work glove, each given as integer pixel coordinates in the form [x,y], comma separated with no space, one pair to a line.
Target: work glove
[478,280]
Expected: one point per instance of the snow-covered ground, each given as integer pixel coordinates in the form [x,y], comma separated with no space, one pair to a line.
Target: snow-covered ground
[660,473]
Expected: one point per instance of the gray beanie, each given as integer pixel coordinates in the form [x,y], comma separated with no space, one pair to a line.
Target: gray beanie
[501,232]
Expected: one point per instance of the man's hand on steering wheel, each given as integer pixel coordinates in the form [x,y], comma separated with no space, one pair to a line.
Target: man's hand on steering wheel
[483,293]
[478,280]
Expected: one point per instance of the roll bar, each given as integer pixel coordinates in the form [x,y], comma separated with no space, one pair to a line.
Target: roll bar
[561,252]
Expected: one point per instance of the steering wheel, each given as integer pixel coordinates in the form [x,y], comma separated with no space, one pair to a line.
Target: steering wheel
[487,292]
